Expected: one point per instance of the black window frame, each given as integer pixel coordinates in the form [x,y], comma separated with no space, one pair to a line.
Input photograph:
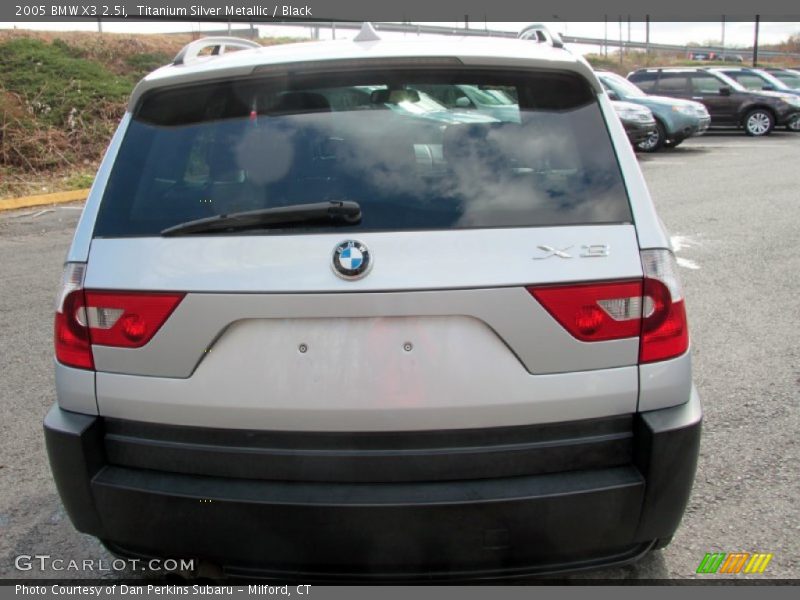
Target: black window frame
[553,103]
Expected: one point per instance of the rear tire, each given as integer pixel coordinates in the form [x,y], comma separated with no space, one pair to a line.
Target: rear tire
[662,543]
[654,142]
[794,125]
[759,122]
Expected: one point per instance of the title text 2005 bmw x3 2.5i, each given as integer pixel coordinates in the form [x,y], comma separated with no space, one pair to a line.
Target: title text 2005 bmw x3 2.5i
[303,334]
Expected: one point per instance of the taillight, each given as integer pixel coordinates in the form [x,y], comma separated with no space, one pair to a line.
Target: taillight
[121,319]
[595,312]
[665,331]
[651,309]
[72,343]
[127,319]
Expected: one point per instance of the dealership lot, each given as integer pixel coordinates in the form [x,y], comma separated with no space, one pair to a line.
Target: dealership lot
[731,204]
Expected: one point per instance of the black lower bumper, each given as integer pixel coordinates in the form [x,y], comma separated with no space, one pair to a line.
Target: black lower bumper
[459,504]
[639,131]
[699,128]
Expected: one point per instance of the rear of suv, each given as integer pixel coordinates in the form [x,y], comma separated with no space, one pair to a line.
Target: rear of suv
[314,339]
[729,103]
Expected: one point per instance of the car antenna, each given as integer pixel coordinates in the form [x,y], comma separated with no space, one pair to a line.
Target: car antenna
[367,33]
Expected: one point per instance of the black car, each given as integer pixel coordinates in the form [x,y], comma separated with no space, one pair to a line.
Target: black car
[760,79]
[728,102]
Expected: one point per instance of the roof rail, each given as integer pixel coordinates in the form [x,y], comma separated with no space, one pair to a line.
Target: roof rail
[540,33]
[191,51]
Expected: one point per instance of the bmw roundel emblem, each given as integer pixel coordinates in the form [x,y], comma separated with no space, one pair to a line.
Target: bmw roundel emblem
[351,259]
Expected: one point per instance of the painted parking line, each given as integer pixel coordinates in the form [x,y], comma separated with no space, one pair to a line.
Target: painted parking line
[680,243]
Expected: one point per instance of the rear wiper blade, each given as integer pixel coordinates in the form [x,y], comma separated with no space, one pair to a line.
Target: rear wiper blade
[346,212]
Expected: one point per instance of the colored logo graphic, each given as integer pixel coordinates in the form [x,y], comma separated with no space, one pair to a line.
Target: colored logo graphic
[351,259]
[734,562]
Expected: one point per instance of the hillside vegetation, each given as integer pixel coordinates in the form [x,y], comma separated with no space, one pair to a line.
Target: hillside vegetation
[61,97]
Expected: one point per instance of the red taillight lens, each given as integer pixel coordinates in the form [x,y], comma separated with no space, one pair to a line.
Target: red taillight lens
[127,319]
[651,309]
[123,319]
[71,335]
[665,331]
[595,312]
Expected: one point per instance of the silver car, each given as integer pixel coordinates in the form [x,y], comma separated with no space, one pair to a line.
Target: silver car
[306,342]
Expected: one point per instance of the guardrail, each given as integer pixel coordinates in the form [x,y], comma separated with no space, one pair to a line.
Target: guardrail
[568,39]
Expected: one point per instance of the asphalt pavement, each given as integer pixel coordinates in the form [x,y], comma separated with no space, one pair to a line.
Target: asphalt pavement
[732,205]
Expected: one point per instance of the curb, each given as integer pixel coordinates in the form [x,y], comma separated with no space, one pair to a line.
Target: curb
[43,199]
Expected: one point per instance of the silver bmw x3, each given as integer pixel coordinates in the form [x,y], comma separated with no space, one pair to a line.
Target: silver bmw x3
[321,318]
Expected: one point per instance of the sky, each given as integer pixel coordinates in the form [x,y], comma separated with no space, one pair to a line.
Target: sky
[736,33]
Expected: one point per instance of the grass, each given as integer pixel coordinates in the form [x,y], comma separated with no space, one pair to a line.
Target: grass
[55,84]
[147,61]
[61,97]
[79,181]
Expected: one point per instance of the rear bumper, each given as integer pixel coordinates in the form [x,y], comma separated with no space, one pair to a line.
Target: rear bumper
[537,499]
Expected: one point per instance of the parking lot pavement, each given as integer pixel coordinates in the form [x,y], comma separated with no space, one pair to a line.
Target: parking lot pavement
[732,205]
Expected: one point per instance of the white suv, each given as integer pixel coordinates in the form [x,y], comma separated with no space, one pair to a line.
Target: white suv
[303,334]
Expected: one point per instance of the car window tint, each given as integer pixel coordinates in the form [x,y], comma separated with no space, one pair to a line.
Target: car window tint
[751,82]
[645,81]
[793,81]
[706,84]
[672,83]
[409,160]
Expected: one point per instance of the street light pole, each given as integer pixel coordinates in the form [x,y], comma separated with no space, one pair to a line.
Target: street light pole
[755,42]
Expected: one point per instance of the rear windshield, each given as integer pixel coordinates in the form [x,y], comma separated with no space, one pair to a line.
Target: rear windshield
[389,140]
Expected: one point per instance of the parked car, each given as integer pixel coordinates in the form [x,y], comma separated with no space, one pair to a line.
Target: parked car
[710,55]
[734,58]
[638,121]
[492,102]
[702,55]
[758,79]
[790,77]
[288,347]
[675,119]
[411,102]
[728,102]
